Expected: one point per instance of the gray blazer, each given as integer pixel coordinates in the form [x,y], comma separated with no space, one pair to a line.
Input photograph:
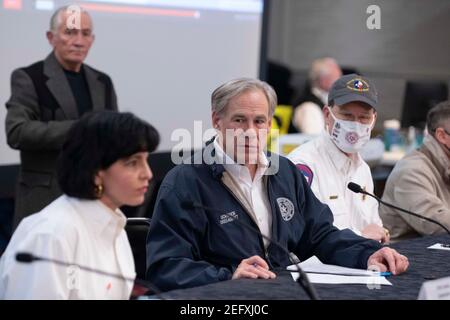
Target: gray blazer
[40,111]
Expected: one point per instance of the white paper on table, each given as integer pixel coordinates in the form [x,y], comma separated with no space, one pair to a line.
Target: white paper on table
[314,265]
[438,289]
[438,246]
[339,279]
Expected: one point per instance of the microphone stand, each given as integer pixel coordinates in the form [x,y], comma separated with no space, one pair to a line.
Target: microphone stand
[357,189]
[26,257]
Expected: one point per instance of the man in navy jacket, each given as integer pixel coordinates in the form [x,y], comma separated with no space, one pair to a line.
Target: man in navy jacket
[194,238]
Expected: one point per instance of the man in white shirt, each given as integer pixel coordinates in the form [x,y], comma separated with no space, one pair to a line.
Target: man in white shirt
[332,160]
[195,239]
[308,117]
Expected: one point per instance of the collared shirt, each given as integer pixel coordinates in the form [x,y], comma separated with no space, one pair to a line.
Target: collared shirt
[83,232]
[254,191]
[328,171]
[308,116]
[321,94]
[441,159]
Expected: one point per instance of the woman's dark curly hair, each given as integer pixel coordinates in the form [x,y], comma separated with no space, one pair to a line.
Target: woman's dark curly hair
[95,142]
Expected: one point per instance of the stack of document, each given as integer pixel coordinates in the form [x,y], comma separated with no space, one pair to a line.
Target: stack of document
[319,272]
[440,246]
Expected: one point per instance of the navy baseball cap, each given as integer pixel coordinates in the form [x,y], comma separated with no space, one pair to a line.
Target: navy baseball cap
[353,87]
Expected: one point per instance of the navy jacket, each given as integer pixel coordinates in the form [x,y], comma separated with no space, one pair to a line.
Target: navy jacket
[193,247]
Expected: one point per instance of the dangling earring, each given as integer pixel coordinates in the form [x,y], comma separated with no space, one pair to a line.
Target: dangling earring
[98,190]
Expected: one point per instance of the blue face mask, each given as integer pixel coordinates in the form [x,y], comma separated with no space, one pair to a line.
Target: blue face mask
[350,136]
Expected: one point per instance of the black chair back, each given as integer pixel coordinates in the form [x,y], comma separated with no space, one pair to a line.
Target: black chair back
[137,231]
[420,97]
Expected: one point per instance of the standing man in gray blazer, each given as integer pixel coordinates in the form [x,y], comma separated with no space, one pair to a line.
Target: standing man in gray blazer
[47,97]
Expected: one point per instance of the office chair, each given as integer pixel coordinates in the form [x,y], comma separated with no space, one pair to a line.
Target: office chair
[137,231]
[279,76]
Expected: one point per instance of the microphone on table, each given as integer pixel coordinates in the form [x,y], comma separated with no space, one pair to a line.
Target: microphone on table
[302,280]
[26,257]
[357,189]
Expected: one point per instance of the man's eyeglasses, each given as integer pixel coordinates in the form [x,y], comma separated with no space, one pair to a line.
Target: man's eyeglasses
[364,119]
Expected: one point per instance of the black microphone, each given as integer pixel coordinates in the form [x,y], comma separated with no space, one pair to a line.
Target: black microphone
[357,189]
[26,257]
[302,280]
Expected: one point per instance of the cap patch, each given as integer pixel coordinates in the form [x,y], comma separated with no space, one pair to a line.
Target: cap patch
[358,84]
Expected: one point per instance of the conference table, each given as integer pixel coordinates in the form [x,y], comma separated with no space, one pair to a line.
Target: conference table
[425,264]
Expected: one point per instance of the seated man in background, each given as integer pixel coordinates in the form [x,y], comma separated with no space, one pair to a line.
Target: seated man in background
[103,166]
[47,97]
[420,182]
[332,160]
[307,114]
[233,178]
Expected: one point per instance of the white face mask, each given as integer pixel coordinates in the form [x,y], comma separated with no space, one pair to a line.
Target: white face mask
[350,136]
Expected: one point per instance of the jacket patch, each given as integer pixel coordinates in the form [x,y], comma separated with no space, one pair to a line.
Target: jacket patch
[229,217]
[286,208]
[307,172]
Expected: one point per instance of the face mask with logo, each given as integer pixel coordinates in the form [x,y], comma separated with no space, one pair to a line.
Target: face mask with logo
[350,136]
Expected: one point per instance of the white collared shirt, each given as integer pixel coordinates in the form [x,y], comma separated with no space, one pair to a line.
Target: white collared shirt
[85,232]
[255,190]
[328,171]
[321,94]
[308,116]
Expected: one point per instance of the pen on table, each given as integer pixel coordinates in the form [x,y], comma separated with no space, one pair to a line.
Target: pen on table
[373,274]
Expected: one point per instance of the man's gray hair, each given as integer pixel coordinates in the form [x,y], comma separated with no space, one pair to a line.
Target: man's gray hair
[320,68]
[56,20]
[221,97]
[438,116]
